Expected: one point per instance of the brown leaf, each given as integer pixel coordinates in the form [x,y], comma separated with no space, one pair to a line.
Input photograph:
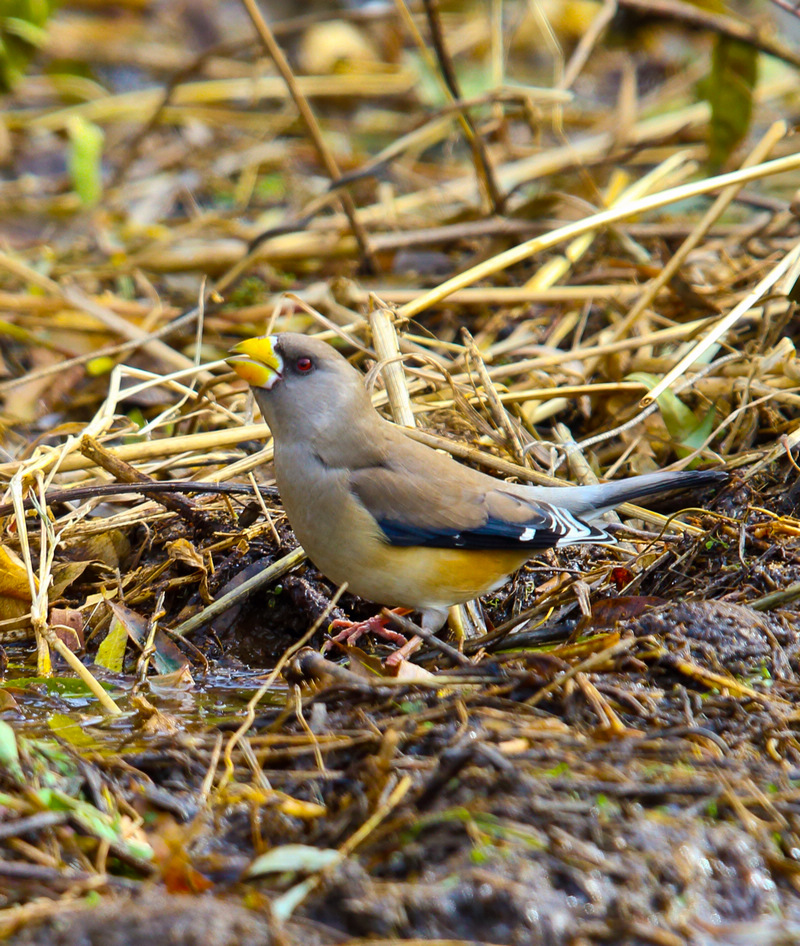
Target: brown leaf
[152,720]
[7,702]
[182,550]
[67,624]
[171,848]
[609,612]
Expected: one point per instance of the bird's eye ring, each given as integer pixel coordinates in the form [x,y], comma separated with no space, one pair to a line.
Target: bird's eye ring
[304,365]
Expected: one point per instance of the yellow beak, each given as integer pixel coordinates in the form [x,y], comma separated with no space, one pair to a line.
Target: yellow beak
[257,362]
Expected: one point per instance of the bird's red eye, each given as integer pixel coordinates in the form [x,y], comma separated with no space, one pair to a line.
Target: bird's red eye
[304,365]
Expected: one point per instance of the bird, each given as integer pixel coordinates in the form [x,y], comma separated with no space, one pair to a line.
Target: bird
[401,523]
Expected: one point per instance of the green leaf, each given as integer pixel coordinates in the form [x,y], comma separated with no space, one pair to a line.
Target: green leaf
[9,752]
[703,429]
[167,657]
[68,687]
[85,159]
[686,430]
[729,91]
[679,420]
[93,821]
[29,32]
[22,31]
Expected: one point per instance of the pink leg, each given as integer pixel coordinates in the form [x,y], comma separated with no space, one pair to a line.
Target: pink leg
[433,619]
[410,647]
[351,631]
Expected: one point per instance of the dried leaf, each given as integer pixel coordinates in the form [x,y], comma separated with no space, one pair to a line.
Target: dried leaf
[63,576]
[109,548]
[298,808]
[15,591]
[609,612]
[182,550]
[67,624]
[180,679]
[171,855]
[409,672]
[152,720]
[111,652]
[13,576]
[7,702]
[334,45]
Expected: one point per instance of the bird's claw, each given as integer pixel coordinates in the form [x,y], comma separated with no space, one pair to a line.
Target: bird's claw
[351,631]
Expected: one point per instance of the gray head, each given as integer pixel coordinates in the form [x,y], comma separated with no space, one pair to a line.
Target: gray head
[306,390]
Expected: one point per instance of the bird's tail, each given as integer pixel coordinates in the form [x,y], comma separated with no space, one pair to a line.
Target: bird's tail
[590,502]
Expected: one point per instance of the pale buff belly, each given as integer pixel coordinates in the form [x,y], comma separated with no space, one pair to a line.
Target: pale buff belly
[434,578]
[412,577]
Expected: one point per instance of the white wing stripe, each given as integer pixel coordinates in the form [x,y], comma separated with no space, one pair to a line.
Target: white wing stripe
[573,530]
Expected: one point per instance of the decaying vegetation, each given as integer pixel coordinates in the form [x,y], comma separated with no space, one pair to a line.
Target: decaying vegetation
[561,240]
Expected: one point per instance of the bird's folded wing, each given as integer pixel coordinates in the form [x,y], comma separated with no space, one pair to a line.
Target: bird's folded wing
[413,509]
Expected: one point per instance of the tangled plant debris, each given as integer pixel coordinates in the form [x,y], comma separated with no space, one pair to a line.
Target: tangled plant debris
[561,241]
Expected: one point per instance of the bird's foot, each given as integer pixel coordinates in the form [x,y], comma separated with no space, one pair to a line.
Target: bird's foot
[411,646]
[351,631]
